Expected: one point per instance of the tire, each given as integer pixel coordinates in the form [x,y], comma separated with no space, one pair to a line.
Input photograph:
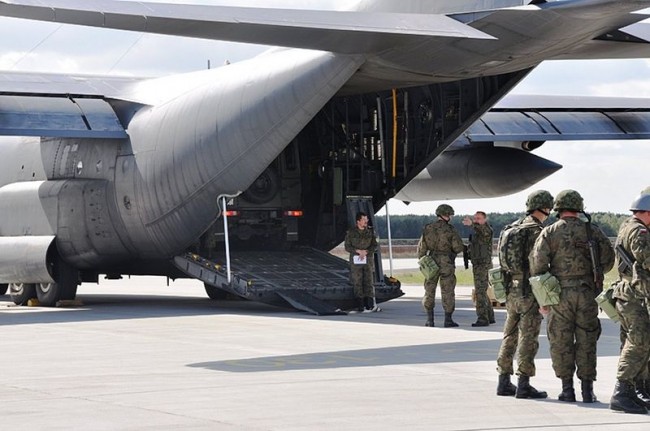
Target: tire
[264,188]
[22,292]
[215,293]
[49,294]
[3,288]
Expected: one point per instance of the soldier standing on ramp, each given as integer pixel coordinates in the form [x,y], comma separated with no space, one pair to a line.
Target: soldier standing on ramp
[632,293]
[577,253]
[361,243]
[523,321]
[480,253]
[441,241]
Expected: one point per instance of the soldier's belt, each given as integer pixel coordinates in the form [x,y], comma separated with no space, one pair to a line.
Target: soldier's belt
[576,281]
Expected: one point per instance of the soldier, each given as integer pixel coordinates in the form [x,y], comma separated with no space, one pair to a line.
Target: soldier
[523,319]
[361,243]
[480,253]
[632,290]
[441,241]
[566,249]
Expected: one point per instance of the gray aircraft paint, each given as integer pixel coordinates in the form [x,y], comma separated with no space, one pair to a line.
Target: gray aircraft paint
[196,136]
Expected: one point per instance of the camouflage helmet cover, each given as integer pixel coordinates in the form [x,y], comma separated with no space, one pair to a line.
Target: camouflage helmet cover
[444,210]
[538,200]
[641,202]
[569,200]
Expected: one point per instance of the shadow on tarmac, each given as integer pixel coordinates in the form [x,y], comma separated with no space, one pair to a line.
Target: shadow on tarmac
[465,351]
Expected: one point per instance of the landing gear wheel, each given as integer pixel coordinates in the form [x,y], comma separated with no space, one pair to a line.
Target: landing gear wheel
[49,294]
[3,288]
[22,292]
[215,293]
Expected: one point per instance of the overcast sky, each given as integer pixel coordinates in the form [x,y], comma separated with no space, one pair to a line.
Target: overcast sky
[608,174]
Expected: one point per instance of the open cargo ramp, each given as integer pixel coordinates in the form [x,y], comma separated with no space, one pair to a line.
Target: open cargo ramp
[304,278]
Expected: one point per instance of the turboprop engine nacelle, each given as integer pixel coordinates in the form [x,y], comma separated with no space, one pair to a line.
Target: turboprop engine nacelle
[477,173]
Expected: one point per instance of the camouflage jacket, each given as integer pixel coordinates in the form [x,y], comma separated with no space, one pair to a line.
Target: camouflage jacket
[480,244]
[633,236]
[562,250]
[440,238]
[357,239]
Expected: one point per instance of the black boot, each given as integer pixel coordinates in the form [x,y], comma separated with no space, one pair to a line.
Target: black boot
[448,322]
[505,387]
[587,387]
[642,393]
[623,399]
[525,390]
[568,394]
[359,305]
[429,318]
[480,323]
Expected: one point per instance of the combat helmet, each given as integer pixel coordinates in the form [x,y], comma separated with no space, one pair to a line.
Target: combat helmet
[569,200]
[641,202]
[444,210]
[539,199]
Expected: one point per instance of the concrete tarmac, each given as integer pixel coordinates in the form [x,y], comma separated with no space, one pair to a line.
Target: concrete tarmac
[140,355]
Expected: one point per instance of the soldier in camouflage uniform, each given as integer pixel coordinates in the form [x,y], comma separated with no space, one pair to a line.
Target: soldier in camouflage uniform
[632,293]
[573,326]
[441,241]
[480,253]
[361,243]
[523,320]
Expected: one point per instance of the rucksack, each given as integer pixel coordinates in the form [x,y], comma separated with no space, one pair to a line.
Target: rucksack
[514,246]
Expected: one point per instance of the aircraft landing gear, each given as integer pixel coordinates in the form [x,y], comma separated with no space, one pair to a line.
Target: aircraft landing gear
[65,288]
[22,292]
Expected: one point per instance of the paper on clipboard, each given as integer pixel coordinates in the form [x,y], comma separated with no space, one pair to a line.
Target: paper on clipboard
[358,260]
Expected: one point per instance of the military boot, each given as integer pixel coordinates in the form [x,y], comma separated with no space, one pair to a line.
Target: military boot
[642,393]
[505,387]
[448,322]
[525,390]
[623,399]
[568,394]
[367,305]
[429,318]
[587,388]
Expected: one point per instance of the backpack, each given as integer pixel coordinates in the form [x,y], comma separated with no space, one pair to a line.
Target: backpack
[514,246]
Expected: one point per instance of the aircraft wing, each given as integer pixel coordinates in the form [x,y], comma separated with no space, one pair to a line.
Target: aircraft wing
[551,118]
[347,32]
[71,106]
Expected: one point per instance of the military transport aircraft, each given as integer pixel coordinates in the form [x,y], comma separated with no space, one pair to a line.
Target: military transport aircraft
[107,175]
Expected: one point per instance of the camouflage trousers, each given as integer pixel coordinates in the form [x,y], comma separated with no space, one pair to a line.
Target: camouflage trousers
[635,327]
[361,277]
[447,291]
[520,333]
[484,310]
[573,330]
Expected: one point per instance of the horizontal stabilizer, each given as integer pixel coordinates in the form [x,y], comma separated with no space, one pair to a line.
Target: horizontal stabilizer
[348,32]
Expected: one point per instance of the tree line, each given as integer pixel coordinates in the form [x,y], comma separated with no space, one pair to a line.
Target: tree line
[410,226]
